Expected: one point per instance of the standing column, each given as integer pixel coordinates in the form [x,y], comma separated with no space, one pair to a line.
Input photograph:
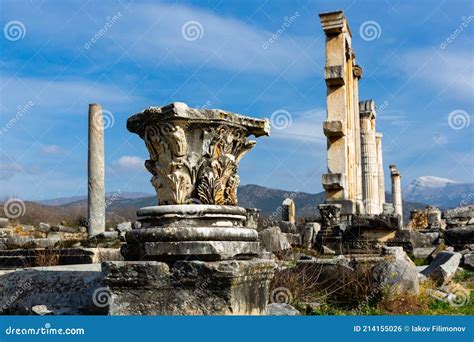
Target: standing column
[341,182]
[370,180]
[96,171]
[288,211]
[397,191]
[378,145]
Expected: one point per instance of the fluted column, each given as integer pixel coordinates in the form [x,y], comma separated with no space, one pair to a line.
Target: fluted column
[396,191]
[378,143]
[96,171]
[370,181]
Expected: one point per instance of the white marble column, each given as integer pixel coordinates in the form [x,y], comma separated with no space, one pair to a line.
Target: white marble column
[370,180]
[378,143]
[396,191]
[96,171]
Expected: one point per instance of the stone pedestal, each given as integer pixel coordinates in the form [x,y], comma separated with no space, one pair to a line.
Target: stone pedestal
[434,217]
[195,253]
[201,232]
[188,287]
[330,234]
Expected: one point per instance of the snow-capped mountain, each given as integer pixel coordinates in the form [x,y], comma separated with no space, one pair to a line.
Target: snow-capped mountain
[440,192]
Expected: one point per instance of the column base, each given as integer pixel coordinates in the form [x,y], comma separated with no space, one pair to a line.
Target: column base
[233,287]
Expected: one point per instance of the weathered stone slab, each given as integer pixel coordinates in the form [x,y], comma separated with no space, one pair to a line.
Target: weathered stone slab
[55,288]
[443,267]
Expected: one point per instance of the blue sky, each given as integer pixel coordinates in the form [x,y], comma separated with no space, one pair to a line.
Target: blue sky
[52,70]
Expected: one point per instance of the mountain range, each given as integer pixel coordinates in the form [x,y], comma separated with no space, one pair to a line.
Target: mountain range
[122,206]
[439,192]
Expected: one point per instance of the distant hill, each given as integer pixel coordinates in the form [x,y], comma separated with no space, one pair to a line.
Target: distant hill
[124,209]
[439,192]
[72,199]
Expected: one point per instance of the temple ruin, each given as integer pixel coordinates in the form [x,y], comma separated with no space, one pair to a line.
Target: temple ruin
[198,252]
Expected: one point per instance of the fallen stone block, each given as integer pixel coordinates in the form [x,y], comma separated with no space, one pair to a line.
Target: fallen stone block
[47,289]
[4,222]
[274,240]
[396,271]
[443,267]
[44,227]
[281,309]
[468,261]
[459,236]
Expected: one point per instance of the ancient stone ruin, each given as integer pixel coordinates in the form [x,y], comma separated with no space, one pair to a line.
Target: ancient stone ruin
[196,238]
[197,252]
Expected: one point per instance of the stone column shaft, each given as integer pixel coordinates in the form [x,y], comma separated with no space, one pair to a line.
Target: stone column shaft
[342,181]
[378,142]
[396,191]
[370,180]
[96,171]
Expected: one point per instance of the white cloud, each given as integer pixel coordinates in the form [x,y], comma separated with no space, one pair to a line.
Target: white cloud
[52,149]
[226,43]
[131,163]
[447,71]
[302,126]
